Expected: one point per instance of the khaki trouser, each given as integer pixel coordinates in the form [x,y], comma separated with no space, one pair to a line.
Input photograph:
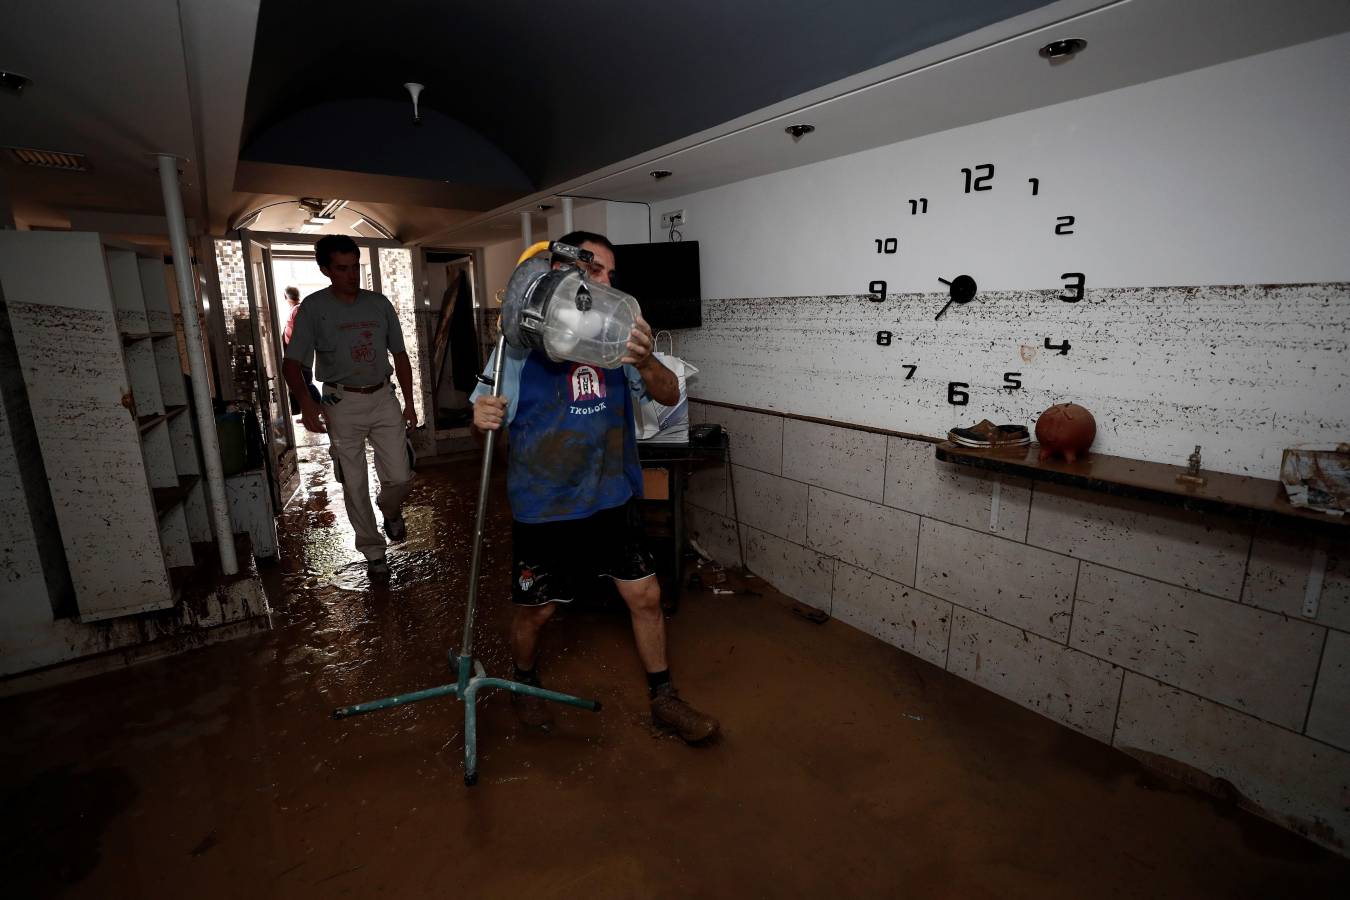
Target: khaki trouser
[378,418]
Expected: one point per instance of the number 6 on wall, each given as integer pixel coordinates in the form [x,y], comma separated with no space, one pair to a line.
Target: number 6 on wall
[1074,282]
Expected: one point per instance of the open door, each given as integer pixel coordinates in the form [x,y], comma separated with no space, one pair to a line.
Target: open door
[273,394]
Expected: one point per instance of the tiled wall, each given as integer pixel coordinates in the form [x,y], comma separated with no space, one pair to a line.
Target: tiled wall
[396,281]
[238,318]
[1175,636]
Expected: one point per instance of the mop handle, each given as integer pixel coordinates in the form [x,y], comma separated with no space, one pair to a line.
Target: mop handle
[466,650]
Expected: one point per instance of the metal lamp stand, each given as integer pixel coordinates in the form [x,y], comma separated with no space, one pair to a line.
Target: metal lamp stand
[468,685]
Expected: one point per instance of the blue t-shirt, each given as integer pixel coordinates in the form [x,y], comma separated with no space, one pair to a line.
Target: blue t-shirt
[573,441]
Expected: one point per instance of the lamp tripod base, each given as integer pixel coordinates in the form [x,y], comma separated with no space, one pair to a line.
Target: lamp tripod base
[466,688]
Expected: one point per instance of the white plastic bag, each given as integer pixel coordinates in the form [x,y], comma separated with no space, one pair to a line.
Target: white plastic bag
[667,424]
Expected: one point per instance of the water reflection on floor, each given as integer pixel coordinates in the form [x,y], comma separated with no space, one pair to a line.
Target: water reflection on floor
[847,769]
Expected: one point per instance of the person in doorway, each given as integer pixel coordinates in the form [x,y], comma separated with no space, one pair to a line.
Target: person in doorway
[351,334]
[293,298]
[574,484]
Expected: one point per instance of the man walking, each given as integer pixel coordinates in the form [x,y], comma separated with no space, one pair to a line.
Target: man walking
[350,333]
[574,483]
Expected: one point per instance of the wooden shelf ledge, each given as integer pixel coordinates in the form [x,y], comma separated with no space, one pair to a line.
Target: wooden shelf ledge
[1260,500]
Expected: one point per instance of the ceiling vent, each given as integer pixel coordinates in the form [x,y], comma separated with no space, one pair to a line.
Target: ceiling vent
[49,159]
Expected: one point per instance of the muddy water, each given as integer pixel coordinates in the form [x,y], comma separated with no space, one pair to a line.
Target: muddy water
[847,768]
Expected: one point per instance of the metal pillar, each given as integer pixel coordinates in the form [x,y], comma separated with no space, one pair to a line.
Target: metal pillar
[567,215]
[201,391]
[526,228]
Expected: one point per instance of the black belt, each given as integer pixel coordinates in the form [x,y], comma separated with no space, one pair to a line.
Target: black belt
[367,389]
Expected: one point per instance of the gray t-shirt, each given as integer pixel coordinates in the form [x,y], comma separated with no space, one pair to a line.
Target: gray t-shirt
[350,343]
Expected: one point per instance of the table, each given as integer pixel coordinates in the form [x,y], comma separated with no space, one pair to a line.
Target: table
[680,460]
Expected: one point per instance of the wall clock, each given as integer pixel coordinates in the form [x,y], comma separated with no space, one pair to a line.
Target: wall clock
[964,190]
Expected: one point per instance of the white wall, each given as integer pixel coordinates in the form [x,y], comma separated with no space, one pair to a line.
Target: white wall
[622,223]
[1231,175]
[1235,174]
[499,261]
[627,223]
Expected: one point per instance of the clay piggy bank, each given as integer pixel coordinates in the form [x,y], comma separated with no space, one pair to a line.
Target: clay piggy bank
[1065,429]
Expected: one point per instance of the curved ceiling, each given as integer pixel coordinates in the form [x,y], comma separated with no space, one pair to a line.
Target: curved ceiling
[386,141]
[559,91]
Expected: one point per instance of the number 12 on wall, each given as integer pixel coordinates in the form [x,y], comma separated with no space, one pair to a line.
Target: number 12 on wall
[979,182]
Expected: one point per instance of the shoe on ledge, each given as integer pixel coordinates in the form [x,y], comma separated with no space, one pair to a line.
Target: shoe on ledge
[986,434]
[669,711]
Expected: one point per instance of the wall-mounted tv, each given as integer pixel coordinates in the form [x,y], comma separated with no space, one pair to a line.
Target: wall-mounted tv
[665,280]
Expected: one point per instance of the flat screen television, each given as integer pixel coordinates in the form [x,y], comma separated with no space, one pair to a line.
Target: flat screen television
[664,278]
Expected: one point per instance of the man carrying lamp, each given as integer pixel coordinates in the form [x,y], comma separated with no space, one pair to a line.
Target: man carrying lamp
[574,484]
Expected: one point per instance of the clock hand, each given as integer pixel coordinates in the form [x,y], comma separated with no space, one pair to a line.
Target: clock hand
[962,290]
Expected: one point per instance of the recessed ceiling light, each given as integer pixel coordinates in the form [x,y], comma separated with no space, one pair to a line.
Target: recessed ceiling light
[319,220]
[545,207]
[797,131]
[1059,51]
[13,82]
[658,174]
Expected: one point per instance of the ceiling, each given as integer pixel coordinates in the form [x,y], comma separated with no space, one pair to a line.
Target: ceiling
[557,90]
[86,65]
[982,75]
[119,83]
[264,100]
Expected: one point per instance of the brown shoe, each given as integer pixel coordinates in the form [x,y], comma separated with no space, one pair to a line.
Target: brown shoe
[669,711]
[987,434]
[532,711]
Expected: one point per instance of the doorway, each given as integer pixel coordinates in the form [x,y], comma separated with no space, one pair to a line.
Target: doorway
[453,333]
[256,317]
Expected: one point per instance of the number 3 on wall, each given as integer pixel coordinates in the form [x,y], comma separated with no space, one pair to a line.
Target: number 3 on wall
[1073,282]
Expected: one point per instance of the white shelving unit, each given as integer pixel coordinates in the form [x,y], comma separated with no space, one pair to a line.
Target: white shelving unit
[99,353]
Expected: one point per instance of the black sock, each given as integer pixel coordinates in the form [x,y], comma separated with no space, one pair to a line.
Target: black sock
[657,680]
[527,676]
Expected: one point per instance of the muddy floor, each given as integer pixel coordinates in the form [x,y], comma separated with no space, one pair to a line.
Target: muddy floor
[846,769]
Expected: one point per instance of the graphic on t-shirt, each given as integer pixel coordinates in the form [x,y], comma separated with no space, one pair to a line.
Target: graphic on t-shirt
[526,578]
[362,346]
[364,352]
[586,383]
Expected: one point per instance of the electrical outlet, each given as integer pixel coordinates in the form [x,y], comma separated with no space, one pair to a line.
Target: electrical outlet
[673,219]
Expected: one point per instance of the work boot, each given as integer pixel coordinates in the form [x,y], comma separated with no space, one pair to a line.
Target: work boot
[532,711]
[396,529]
[669,711]
[377,569]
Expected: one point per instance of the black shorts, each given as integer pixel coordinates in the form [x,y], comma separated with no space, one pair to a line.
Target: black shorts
[556,561]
